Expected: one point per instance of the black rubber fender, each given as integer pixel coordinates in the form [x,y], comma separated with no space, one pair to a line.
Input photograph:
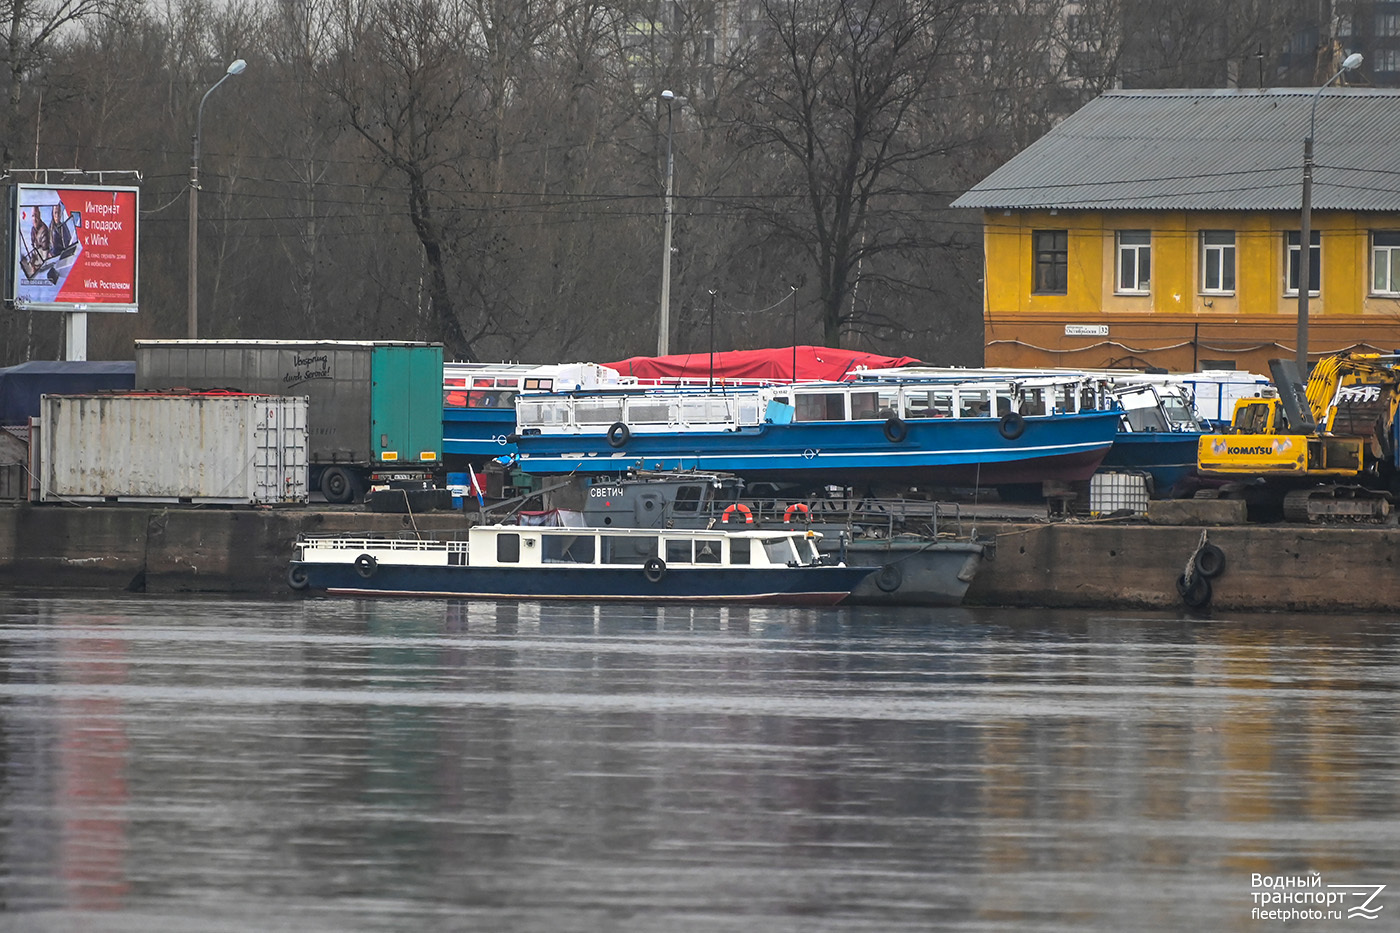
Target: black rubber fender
[619,434]
[895,429]
[297,578]
[366,565]
[889,578]
[1197,593]
[1012,425]
[655,569]
[1210,561]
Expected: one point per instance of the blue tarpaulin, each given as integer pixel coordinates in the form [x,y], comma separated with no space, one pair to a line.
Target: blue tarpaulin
[22,385]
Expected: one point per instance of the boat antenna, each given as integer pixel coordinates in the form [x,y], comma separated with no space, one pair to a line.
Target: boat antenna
[712,339]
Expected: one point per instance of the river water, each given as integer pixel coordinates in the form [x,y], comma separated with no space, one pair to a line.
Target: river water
[337,764]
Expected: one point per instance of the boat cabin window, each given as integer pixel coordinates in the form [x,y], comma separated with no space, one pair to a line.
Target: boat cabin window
[567,549]
[1065,399]
[1087,400]
[780,550]
[688,499]
[627,549]
[708,552]
[739,551]
[865,406]
[974,403]
[539,385]
[698,551]
[1004,402]
[508,549]
[542,413]
[821,406]
[677,552]
[1033,400]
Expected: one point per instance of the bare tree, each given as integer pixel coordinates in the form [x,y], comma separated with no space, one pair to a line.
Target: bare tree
[836,88]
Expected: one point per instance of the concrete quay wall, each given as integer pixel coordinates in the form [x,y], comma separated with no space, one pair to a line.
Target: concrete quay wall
[1063,564]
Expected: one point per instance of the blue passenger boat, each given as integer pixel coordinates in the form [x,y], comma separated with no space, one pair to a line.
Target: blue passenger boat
[870,432]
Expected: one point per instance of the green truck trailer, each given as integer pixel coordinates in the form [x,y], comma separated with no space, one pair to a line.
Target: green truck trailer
[374,414]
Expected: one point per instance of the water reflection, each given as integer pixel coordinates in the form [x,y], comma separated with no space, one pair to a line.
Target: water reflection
[361,764]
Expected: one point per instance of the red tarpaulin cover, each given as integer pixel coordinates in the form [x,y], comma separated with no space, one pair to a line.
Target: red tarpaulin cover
[771,364]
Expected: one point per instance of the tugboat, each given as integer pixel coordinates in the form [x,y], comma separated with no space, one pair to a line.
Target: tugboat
[919,561]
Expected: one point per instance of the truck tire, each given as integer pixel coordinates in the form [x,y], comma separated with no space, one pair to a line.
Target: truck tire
[338,485]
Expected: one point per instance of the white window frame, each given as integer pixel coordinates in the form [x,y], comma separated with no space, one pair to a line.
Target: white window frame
[1385,263]
[1224,255]
[1290,262]
[1133,270]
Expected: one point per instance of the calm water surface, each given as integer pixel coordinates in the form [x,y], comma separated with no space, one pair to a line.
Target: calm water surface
[336,764]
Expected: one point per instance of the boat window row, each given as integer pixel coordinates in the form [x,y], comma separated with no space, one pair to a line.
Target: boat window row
[979,400]
[631,549]
[643,409]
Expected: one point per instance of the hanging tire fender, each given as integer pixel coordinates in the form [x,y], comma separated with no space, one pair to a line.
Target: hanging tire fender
[366,565]
[1012,425]
[1210,561]
[895,429]
[297,577]
[619,434]
[654,569]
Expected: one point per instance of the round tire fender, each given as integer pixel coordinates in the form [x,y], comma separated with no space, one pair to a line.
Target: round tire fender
[1210,561]
[1012,425]
[654,569]
[1197,593]
[297,577]
[889,578]
[366,565]
[895,429]
[619,434]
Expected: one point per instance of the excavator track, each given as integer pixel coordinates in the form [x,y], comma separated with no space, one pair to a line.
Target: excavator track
[1336,505]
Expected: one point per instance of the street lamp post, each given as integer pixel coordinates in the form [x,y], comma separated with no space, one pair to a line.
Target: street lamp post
[193,308]
[663,333]
[1352,62]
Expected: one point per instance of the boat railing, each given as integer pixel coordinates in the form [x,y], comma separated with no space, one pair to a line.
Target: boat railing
[399,541]
[875,517]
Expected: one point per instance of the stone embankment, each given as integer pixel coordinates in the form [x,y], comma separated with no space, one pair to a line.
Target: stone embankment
[1078,563]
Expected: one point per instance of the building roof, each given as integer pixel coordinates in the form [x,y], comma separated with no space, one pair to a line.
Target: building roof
[1208,150]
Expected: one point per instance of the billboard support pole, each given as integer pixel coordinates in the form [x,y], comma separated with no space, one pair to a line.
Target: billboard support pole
[75,335]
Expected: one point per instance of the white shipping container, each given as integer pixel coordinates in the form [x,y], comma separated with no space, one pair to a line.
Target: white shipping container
[1113,492]
[205,448]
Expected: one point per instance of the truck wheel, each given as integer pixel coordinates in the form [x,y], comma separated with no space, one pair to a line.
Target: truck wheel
[337,485]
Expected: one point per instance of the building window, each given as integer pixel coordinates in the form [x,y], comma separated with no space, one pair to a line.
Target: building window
[1218,262]
[1051,262]
[1134,261]
[1314,261]
[1387,60]
[1388,24]
[1385,262]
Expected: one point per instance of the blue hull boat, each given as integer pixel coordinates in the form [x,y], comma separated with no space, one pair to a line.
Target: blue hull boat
[866,432]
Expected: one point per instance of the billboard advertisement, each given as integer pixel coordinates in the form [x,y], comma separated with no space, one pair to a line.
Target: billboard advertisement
[73,248]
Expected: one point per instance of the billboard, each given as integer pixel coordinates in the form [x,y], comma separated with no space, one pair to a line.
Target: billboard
[72,248]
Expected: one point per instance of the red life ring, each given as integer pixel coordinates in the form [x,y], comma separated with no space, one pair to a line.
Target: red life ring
[797,508]
[741,509]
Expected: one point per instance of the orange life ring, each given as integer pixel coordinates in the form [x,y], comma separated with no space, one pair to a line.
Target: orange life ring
[741,509]
[795,509]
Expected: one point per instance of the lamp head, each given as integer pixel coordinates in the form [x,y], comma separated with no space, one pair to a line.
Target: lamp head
[1352,61]
[668,96]
[237,65]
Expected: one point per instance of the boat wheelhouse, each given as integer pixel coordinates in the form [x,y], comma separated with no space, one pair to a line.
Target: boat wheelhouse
[886,431]
[539,562]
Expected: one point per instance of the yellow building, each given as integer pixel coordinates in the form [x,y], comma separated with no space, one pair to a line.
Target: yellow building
[1161,228]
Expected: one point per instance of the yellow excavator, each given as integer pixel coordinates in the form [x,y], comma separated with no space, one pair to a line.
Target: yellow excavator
[1321,452]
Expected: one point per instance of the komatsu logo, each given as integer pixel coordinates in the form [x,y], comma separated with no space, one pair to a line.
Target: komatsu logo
[1251,451]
